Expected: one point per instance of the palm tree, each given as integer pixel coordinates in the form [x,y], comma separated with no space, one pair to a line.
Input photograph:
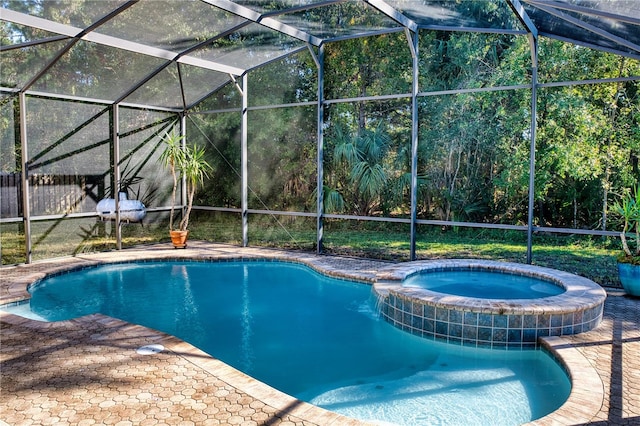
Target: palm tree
[358,167]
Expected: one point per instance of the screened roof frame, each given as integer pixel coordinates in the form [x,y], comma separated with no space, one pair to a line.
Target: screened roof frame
[273,21]
[523,17]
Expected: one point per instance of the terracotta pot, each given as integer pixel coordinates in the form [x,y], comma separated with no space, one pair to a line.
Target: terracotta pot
[630,278]
[179,238]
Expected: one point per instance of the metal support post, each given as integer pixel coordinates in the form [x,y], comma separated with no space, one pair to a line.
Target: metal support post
[413,43]
[533,42]
[183,182]
[115,129]
[320,159]
[26,207]
[244,161]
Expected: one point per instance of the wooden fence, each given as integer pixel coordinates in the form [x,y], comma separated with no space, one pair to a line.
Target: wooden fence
[50,194]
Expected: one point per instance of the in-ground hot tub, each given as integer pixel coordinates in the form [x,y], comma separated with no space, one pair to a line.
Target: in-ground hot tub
[499,321]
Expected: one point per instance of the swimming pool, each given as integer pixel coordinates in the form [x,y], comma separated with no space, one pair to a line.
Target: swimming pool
[314,337]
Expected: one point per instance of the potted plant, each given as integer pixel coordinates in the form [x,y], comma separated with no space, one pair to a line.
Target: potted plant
[186,162]
[628,208]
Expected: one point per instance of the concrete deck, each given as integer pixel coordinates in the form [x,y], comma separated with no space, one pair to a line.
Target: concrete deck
[88,371]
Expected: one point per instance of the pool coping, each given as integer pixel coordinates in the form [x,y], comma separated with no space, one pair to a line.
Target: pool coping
[584,402]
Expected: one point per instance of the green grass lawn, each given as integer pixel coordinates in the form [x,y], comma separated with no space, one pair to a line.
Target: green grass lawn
[592,257]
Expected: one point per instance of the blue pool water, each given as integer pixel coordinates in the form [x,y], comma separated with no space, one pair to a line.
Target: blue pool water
[483,284]
[314,337]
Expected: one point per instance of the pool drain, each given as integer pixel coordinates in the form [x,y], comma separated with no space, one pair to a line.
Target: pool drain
[149,349]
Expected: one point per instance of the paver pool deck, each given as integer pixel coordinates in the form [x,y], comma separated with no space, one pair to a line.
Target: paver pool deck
[88,371]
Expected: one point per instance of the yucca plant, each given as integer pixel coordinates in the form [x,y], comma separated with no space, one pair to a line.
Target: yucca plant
[628,209]
[188,162]
[172,157]
[194,168]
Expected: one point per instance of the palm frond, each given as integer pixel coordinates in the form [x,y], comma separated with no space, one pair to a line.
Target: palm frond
[333,200]
[370,179]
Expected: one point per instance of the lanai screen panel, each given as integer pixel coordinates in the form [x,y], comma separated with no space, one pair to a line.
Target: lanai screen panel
[9,161]
[371,66]
[220,134]
[142,175]
[465,138]
[11,234]
[227,97]
[572,66]
[282,135]
[69,155]
[96,71]
[176,26]
[177,86]
[198,83]
[249,47]
[339,20]
[473,157]
[78,13]
[162,90]
[459,14]
[367,158]
[262,6]
[466,60]
[282,159]
[10,169]
[290,80]
[607,24]
[20,65]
